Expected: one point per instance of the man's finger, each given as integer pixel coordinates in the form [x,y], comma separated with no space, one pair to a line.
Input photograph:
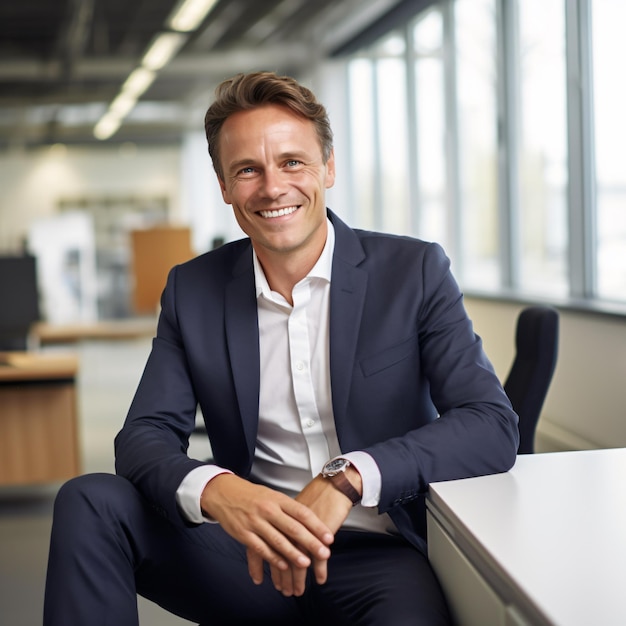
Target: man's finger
[255,567]
[320,570]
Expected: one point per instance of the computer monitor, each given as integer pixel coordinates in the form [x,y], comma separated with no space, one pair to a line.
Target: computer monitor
[19,300]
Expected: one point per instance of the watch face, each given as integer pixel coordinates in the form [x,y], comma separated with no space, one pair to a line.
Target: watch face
[336,465]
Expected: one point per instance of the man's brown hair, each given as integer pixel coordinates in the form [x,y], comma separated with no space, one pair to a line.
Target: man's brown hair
[248,91]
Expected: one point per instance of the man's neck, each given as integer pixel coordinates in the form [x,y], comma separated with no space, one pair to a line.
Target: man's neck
[284,270]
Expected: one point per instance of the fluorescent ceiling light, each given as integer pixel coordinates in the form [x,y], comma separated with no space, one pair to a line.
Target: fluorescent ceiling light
[189,14]
[138,81]
[107,126]
[163,48]
[123,104]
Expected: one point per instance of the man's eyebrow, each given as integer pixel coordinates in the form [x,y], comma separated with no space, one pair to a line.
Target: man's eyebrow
[300,155]
[237,165]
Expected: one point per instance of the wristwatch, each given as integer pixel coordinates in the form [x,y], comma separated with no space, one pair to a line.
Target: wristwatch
[335,472]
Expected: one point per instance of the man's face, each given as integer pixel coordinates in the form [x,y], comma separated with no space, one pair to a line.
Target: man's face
[275,179]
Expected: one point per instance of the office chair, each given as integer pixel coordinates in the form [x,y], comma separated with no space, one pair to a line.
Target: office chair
[536,344]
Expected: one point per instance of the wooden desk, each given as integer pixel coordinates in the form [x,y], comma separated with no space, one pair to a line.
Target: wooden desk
[38,418]
[542,544]
[44,333]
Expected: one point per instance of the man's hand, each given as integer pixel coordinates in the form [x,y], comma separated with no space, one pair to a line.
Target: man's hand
[332,507]
[285,532]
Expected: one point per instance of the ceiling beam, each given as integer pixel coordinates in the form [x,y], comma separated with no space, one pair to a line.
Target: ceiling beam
[73,38]
[184,65]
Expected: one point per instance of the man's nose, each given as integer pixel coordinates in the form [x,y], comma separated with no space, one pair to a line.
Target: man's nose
[274,182]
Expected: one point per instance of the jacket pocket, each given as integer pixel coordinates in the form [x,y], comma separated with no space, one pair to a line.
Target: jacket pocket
[387,358]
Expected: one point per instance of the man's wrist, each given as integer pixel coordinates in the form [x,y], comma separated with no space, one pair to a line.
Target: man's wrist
[189,492]
[342,484]
[336,472]
[366,478]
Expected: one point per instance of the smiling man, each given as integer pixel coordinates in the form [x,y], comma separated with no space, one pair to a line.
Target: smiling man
[274,175]
[338,375]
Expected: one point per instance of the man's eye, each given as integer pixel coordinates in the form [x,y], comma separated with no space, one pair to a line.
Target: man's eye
[246,170]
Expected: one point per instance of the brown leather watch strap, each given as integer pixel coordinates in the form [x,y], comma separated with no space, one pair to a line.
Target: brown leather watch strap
[341,483]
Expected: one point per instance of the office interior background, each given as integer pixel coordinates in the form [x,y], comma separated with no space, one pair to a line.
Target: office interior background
[494,127]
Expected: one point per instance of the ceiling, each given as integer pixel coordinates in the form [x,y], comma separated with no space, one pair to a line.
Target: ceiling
[62,62]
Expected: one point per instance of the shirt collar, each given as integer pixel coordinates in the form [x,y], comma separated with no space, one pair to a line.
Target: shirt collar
[322,268]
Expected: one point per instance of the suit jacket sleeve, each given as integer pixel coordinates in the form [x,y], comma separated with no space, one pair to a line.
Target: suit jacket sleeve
[151,447]
[434,360]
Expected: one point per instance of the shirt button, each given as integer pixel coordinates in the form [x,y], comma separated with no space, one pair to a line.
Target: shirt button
[309,423]
[299,366]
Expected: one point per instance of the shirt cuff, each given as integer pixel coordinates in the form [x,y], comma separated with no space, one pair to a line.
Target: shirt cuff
[370,475]
[191,488]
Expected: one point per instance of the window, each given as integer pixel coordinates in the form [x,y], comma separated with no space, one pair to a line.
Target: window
[362,145]
[475,36]
[495,127]
[392,115]
[609,50]
[432,213]
[378,129]
[542,154]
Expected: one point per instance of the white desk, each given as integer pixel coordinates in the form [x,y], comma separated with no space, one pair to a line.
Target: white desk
[542,544]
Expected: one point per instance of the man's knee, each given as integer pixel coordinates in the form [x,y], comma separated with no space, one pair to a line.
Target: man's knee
[93,495]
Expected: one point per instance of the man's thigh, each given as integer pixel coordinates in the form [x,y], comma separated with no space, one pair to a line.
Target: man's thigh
[376,580]
[109,544]
[373,580]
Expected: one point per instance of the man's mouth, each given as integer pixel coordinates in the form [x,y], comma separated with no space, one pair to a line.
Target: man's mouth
[279,212]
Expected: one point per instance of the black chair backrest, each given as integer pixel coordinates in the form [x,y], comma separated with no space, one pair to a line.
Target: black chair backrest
[536,343]
[19,300]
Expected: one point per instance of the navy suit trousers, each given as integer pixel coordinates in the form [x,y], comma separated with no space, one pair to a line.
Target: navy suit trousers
[108,544]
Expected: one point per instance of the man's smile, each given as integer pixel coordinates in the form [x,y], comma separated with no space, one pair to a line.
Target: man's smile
[279,212]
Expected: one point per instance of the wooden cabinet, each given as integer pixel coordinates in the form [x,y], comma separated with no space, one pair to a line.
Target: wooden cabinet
[38,419]
[154,252]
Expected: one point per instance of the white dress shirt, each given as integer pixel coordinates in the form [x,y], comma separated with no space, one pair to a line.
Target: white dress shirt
[296,434]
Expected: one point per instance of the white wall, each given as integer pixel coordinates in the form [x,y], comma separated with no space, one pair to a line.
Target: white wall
[33,182]
[203,207]
[586,403]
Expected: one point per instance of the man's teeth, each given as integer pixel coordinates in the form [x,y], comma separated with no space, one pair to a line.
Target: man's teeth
[279,212]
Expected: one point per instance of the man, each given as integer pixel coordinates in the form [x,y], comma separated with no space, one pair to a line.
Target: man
[337,374]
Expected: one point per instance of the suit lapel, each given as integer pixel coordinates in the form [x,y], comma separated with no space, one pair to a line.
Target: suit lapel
[347,297]
[242,337]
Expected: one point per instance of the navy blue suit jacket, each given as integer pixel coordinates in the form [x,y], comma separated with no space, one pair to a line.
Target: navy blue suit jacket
[410,382]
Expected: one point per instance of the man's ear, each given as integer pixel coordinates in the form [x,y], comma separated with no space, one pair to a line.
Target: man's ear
[225,194]
[330,170]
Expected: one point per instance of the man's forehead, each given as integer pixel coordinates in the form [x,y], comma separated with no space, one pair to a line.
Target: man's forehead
[266,115]
[254,129]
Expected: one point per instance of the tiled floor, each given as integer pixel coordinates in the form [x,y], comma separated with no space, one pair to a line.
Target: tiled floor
[109,373]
